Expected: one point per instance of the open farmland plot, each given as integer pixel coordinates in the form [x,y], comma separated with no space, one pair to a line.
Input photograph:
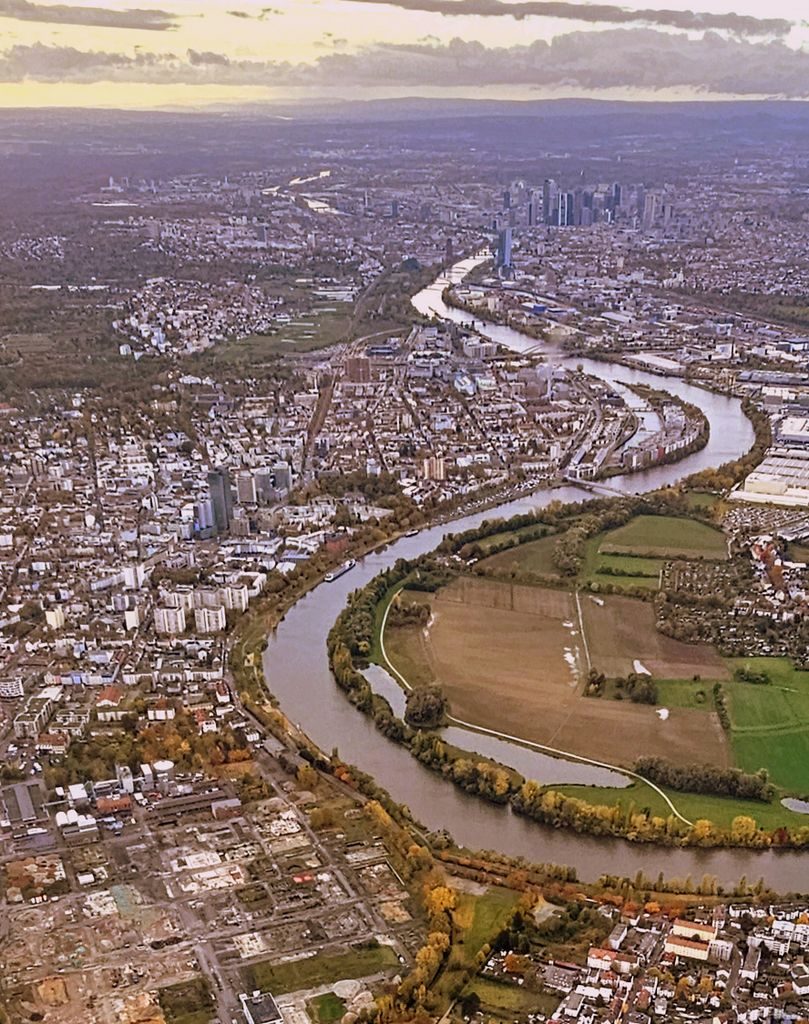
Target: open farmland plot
[665,536]
[621,630]
[511,658]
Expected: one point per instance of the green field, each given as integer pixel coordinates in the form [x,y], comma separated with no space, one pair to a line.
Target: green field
[188,1002]
[770,723]
[503,1001]
[310,972]
[326,1009]
[622,571]
[665,536]
[720,810]
[685,693]
[702,499]
[491,911]
[533,556]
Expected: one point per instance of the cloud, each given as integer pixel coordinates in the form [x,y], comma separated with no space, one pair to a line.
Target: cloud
[100,17]
[265,13]
[738,24]
[588,60]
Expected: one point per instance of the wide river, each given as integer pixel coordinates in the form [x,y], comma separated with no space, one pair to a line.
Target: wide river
[298,674]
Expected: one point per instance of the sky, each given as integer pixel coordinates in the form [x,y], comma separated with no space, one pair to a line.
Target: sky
[114,53]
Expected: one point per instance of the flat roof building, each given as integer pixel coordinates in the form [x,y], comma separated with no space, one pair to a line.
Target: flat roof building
[260,1008]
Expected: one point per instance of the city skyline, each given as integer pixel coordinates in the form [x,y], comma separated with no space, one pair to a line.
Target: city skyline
[111,54]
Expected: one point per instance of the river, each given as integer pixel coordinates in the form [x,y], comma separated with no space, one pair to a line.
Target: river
[297,671]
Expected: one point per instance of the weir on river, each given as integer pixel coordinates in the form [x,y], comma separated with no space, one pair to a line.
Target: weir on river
[297,670]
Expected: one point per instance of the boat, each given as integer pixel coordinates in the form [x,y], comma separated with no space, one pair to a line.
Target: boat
[412,533]
[335,574]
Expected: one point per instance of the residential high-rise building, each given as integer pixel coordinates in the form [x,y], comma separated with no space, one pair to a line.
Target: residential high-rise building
[169,621]
[222,498]
[210,620]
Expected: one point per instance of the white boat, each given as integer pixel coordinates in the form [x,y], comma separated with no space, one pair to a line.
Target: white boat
[335,574]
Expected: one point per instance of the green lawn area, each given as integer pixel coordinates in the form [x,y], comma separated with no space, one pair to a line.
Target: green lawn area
[720,810]
[326,1009]
[624,571]
[310,972]
[702,499]
[667,536]
[685,693]
[188,1002]
[533,556]
[770,722]
[491,911]
[502,1000]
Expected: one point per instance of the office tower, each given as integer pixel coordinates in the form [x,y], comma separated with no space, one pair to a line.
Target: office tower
[246,488]
[649,209]
[265,485]
[203,514]
[283,476]
[504,249]
[222,498]
[507,200]
[394,208]
[640,199]
[578,206]
[549,192]
[532,213]
[565,209]
[617,195]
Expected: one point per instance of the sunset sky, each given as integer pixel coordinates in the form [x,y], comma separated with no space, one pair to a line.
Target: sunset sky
[196,52]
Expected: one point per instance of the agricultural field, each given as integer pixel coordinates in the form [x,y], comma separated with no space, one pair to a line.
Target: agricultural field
[533,556]
[618,570]
[621,631]
[630,556]
[280,978]
[667,537]
[513,658]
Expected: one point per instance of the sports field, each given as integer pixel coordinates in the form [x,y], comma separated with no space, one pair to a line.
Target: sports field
[513,658]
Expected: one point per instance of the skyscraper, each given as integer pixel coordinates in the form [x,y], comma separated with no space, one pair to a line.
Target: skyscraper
[549,192]
[504,249]
[222,498]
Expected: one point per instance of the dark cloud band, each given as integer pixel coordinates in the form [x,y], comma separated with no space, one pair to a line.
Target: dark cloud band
[740,24]
[98,17]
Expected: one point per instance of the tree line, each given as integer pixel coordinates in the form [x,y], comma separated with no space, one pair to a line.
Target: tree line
[707,779]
